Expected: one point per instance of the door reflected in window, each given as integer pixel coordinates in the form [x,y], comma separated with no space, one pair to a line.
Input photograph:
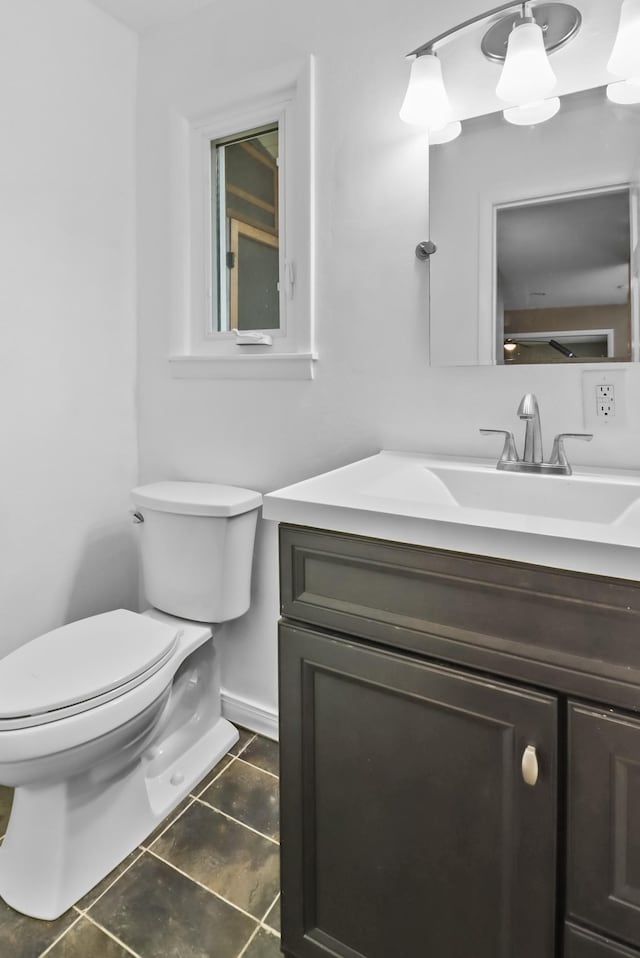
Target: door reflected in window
[246,231]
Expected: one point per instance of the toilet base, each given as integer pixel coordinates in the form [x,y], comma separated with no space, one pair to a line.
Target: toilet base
[65,836]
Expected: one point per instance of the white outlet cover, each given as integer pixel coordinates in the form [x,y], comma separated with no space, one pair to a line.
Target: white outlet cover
[609,377]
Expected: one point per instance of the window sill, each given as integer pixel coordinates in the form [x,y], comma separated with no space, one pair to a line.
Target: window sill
[275,366]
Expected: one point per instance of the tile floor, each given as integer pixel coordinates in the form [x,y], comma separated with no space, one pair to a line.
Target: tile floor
[205,884]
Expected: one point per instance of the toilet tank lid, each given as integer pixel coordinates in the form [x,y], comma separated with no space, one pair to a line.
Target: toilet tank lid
[196,498]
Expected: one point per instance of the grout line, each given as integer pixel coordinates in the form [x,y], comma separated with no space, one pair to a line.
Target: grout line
[252,737]
[146,847]
[264,917]
[83,911]
[260,769]
[250,828]
[119,941]
[261,927]
[48,949]
[252,938]
[264,924]
[206,888]
[196,794]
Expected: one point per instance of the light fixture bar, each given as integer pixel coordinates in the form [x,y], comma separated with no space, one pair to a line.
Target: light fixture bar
[429,46]
[560,23]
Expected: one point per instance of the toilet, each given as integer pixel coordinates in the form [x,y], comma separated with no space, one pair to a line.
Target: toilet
[107,723]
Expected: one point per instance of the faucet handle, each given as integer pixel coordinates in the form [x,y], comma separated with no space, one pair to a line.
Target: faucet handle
[509,451]
[558,453]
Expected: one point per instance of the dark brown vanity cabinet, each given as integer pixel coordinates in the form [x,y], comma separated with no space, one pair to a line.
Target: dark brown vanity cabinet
[603,877]
[418,831]
[453,785]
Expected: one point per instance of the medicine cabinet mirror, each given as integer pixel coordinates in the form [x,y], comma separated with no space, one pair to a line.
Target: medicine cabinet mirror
[536,231]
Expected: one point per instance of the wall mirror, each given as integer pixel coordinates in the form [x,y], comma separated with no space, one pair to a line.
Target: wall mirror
[537,238]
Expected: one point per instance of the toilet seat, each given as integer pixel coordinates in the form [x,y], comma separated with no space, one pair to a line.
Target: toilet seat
[81,665]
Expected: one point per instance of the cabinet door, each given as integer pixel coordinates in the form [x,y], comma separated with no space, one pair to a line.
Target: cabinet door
[580,943]
[604,821]
[407,827]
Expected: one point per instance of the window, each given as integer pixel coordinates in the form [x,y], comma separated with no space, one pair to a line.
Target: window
[245,231]
[246,294]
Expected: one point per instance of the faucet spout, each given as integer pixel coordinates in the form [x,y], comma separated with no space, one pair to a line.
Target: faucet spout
[528,410]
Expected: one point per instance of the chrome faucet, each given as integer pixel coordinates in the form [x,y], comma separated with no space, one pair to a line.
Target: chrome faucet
[528,410]
[532,458]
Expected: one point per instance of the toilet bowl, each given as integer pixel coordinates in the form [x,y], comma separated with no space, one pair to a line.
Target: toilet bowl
[107,723]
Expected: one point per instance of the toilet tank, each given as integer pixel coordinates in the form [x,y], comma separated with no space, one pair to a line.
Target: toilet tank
[196,548]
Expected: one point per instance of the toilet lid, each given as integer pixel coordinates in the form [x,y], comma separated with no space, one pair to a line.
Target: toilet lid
[81,662]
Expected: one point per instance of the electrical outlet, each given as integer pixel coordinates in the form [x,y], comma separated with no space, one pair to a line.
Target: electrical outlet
[605,400]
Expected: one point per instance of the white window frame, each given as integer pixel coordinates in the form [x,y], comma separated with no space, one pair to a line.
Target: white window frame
[197,350]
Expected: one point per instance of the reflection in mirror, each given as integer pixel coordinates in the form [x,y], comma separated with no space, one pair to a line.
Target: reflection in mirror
[562,288]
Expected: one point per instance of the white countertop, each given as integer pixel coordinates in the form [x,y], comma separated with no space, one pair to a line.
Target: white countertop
[399,497]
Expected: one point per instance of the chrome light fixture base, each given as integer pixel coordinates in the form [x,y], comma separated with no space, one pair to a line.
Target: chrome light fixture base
[559,21]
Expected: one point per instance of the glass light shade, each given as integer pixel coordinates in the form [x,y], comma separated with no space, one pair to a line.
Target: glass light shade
[426,103]
[531,113]
[446,134]
[625,56]
[527,75]
[624,91]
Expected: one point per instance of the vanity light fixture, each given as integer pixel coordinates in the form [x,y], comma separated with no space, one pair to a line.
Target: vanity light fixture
[522,40]
[527,75]
[625,56]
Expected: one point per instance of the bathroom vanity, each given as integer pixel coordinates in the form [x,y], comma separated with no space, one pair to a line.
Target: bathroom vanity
[460,732]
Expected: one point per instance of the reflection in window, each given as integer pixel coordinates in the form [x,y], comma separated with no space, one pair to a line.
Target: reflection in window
[246,227]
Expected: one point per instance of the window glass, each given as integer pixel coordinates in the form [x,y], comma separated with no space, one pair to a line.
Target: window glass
[246,248]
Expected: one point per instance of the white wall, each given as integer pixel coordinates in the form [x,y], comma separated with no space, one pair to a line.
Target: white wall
[373,386]
[67,320]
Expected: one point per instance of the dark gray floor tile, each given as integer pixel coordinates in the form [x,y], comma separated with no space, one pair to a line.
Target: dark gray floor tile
[22,937]
[92,896]
[248,794]
[213,774]
[264,753]
[84,940]
[273,917]
[178,810]
[159,913]
[229,859]
[6,797]
[264,945]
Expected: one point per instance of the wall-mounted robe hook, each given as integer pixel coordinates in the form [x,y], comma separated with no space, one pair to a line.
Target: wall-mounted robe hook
[425,249]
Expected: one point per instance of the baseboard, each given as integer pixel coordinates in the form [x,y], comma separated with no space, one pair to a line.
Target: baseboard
[248,715]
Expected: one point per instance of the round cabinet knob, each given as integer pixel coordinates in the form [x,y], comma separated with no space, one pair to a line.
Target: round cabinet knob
[530,765]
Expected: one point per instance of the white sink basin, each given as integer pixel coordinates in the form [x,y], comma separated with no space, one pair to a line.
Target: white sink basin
[581,498]
[589,522]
